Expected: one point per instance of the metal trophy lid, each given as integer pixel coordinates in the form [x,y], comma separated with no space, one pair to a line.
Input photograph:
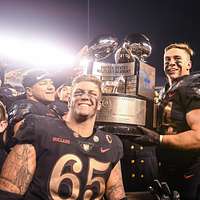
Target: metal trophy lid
[139,45]
[102,47]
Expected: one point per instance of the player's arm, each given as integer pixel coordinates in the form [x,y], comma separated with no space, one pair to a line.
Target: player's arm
[114,187]
[188,139]
[17,171]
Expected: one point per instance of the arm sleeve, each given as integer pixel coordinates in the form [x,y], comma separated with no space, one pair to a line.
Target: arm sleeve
[26,134]
[118,149]
[29,134]
[190,98]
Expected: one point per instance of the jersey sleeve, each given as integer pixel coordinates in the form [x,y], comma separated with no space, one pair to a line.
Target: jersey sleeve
[18,111]
[190,93]
[28,134]
[118,149]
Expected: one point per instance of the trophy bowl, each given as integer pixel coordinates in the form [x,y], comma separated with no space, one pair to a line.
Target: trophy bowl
[102,47]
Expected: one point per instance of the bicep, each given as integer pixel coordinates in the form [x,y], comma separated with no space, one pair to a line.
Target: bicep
[193,119]
[114,187]
[18,169]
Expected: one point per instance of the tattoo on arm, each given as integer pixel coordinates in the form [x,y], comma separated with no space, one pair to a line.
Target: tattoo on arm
[115,188]
[18,169]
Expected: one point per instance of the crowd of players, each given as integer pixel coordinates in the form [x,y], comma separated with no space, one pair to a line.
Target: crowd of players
[50,139]
[51,149]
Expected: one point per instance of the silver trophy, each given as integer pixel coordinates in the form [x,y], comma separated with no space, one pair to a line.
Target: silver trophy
[127,83]
[124,55]
[102,47]
[138,45]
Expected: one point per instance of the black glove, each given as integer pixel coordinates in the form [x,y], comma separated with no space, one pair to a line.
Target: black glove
[146,136]
[161,191]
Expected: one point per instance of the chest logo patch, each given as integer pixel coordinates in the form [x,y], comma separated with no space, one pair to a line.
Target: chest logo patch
[109,139]
[96,138]
[86,146]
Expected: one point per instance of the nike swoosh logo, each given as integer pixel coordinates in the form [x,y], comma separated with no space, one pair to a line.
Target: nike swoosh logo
[103,150]
[41,76]
[188,176]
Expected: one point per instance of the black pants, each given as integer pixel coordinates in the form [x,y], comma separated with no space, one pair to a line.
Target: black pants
[187,185]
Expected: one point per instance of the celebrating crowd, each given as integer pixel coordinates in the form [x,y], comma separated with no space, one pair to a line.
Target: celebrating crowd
[52,150]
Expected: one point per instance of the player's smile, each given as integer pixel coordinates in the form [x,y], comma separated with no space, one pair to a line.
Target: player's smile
[84,104]
[85,98]
[176,63]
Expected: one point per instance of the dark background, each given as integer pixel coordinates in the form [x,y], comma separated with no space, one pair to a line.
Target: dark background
[72,23]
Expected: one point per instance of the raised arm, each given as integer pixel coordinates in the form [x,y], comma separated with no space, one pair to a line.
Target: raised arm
[188,139]
[18,169]
[114,187]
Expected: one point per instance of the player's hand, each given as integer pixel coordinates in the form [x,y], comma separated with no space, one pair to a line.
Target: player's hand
[146,136]
[161,191]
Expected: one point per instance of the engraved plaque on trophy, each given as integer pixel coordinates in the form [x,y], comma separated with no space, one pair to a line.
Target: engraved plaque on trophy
[146,80]
[122,109]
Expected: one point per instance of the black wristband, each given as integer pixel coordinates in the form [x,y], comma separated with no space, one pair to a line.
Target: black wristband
[9,196]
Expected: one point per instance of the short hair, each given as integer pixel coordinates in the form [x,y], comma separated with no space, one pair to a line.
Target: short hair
[183,46]
[58,90]
[62,86]
[3,112]
[89,78]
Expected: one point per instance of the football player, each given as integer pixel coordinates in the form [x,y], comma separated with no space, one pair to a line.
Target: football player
[65,159]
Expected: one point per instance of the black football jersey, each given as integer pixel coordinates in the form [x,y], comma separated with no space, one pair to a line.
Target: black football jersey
[18,110]
[8,95]
[181,98]
[68,166]
[23,107]
[58,107]
[177,101]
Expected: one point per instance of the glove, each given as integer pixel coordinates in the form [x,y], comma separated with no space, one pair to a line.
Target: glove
[146,137]
[161,191]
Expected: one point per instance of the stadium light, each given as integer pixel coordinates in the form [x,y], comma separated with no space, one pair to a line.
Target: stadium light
[34,52]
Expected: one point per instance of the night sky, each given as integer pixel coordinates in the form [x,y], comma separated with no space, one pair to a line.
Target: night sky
[65,22]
